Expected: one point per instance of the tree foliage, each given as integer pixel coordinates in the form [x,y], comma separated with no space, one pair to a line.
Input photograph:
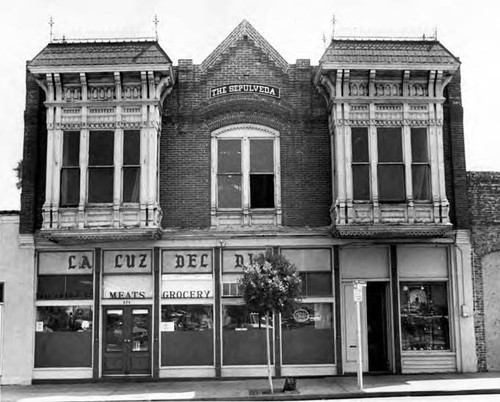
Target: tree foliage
[270,284]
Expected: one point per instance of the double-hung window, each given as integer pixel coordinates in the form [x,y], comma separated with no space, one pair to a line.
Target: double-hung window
[420,165]
[246,173]
[131,166]
[391,168]
[360,163]
[101,167]
[70,169]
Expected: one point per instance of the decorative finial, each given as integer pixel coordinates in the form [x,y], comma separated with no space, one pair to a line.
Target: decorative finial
[334,20]
[156,21]
[51,24]
[436,32]
[324,39]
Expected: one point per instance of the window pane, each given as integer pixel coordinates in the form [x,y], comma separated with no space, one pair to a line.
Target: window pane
[361,182]
[65,336]
[100,185]
[424,316]
[391,183]
[131,184]
[261,156]
[229,191]
[187,335]
[64,287]
[70,187]
[421,182]
[229,156]
[308,336]
[316,283]
[359,139]
[389,144]
[243,337]
[261,191]
[131,147]
[419,152]
[101,148]
[71,148]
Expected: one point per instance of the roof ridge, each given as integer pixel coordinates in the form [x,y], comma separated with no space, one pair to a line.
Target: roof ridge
[244,27]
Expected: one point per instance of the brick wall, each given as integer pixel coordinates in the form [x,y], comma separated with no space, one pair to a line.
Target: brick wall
[190,117]
[484,199]
[454,154]
[34,157]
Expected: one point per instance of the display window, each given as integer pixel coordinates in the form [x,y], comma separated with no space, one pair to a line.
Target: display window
[424,316]
[63,336]
[243,336]
[308,335]
[187,335]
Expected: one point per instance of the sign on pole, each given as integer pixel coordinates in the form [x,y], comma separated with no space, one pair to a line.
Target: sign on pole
[358,298]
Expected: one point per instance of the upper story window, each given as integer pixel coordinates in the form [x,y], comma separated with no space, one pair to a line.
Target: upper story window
[391,164]
[101,167]
[245,163]
[70,170]
[112,156]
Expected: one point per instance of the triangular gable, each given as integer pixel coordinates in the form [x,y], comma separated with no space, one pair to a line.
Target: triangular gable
[245,28]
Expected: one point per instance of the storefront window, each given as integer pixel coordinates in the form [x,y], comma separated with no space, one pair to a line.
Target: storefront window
[64,287]
[424,316]
[316,283]
[63,336]
[243,337]
[307,334]
[187,335]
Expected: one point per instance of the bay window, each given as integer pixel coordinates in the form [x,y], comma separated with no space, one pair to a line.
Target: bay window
[131,166]
[360,163]
[420,165]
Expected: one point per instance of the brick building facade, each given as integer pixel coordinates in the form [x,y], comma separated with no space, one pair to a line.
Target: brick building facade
[147,186]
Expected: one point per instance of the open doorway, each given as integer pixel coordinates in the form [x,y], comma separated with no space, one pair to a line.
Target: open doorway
[377,326]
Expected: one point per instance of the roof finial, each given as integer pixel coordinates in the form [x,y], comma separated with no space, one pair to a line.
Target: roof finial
[51,24]
[436,33]
[334,20]
[156,21]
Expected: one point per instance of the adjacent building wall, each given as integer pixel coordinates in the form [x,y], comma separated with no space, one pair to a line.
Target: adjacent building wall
[484,198]
[16,272]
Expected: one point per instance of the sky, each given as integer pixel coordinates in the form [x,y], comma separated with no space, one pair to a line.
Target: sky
[191,29]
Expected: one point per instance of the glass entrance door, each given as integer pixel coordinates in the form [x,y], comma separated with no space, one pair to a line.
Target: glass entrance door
[127,340]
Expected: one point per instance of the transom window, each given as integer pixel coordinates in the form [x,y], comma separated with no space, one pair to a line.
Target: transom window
[392,163]
[245,162]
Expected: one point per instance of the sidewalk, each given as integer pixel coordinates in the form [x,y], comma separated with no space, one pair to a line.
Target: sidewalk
[211,390]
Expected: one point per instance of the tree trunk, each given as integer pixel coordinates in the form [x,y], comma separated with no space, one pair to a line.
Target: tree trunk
[268,347]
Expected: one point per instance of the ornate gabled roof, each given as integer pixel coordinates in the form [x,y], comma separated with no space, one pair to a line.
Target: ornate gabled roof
[245,28]
[106,53]
[388,53]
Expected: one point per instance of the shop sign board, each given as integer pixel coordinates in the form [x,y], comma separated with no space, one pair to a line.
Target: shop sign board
[235,260]
[245,88]
[358,291]
[187,261]
[127,261]
[66,263]
[187,288]
[127,287]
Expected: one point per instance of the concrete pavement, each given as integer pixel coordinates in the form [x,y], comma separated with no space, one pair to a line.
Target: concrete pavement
[241,389]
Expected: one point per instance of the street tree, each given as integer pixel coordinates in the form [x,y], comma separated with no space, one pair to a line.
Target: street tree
[270,285]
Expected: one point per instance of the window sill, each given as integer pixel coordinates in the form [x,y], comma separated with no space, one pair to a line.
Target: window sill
[254,218]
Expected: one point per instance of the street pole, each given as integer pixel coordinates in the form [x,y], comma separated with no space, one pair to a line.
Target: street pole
[360,351]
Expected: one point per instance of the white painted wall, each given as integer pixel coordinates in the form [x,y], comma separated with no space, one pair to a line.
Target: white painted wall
[17,273]
[491,291]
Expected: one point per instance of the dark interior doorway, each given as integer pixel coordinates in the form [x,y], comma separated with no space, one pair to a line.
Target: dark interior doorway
[376,305]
